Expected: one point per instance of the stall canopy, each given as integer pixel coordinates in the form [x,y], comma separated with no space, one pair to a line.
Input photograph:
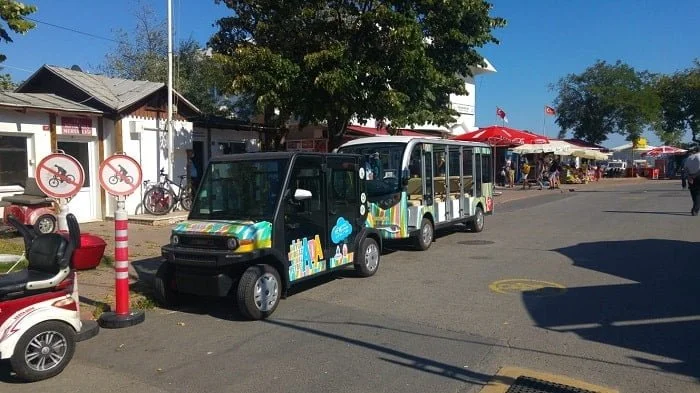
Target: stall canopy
[664,151]
[502,137]
[557,147]
[590,155]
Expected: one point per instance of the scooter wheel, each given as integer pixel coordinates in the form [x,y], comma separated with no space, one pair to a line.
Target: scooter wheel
[43,351]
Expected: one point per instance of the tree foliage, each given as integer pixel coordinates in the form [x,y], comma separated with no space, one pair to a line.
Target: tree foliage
[604,99]
[13,13]
[680,105]
[143,55]
[332,61]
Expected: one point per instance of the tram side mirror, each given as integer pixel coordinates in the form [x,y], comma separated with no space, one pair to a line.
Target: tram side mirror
[301,195]
[405,175]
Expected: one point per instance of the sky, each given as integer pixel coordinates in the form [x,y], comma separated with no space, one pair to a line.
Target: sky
[543,41]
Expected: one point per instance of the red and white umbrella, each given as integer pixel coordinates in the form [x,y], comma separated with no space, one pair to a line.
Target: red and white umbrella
[663,151]
[502,137]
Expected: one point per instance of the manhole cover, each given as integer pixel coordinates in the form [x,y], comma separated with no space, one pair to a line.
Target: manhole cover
[475,242]
[526,287]
[533,385]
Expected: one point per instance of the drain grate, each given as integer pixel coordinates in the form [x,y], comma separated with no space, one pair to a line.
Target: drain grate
[476,242]
[533,385]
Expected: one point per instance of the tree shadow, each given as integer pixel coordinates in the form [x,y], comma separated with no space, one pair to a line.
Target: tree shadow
[658,314]
[400,358]
[647,212]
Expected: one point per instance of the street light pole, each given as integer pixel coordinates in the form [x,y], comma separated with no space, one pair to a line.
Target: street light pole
[171,137]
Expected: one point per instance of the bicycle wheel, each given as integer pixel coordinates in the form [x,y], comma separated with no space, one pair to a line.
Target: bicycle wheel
[158,201]
[130,180]
[53,182]
[186,201]
[70,178]
[113,179]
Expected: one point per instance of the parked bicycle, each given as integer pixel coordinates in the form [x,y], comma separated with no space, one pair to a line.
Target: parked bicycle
[161,198]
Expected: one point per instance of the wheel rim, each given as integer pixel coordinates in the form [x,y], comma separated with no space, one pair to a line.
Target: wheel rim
[45,225]
[479,219]
[427,234]
[46,351]
[266,292]
[372,257]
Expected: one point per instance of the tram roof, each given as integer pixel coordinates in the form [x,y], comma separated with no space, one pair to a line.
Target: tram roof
[406,139]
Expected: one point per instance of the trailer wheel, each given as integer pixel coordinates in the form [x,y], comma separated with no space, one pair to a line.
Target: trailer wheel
[164,285]
[477,223]
[45,224]
[424,238]
[43,351]
[259,291]
[368,257]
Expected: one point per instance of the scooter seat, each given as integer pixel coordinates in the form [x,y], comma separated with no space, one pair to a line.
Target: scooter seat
[24,199]
[16,282]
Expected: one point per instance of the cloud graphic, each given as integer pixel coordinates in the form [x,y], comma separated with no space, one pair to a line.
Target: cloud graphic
[341,230]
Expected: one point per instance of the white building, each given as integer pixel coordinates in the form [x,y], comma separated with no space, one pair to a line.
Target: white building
[115,115]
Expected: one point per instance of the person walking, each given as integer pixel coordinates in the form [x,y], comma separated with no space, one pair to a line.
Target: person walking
[692,167]
[525,170]
[554,174]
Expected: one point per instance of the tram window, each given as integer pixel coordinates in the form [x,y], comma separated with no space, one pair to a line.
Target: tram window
[486,168]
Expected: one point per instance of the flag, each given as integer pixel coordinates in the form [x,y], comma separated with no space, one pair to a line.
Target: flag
[549,110]
[500,113]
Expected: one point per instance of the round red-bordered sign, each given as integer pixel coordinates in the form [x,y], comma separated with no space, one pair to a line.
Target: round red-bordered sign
[59,175]
[120,175]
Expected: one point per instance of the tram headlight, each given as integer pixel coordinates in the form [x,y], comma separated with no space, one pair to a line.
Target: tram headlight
[232,243]
[174,240]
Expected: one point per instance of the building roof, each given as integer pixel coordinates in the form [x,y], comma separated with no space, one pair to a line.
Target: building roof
[373,131]
[43,101]
[406,139]
[115,93]
[584,144]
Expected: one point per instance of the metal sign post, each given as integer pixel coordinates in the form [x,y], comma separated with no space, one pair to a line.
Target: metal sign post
[120,175]
[61,177]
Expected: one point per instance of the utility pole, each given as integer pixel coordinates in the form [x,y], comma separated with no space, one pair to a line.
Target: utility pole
[171,136]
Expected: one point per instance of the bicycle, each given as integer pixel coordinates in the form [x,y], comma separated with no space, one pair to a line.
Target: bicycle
[123,176]
[55,180]
[161,198]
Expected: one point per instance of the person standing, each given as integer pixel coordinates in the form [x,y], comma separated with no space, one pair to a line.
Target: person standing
[525,170]
[692,168]
[192,172]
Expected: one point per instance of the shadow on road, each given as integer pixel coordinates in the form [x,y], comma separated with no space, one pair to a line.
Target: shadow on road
[658,314]
[643,212]
[400,358]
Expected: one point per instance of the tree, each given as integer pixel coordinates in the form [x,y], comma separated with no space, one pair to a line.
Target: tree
[14,14]
[143,55]
[6,83]
[604,99]
[680,105]
[332,61]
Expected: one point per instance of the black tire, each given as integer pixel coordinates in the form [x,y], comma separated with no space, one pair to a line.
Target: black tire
[426,234]
[113,179]
[368,256]
[164,286]
[477,223]
[186,201]
[23,367]
[270,292]
[53,182]
[45,224]
[158,201]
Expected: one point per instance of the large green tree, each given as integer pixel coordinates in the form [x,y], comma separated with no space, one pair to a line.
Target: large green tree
[680,105]
[332,61]
[605,99]
[143,55]
[14,13]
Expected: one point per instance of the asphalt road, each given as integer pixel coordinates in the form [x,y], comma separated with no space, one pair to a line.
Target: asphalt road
[622,309]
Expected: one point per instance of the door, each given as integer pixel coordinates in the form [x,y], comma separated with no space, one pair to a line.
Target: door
[453,183]
[84,204]
[343,210]
[477,174]
[305,221]
[468,178]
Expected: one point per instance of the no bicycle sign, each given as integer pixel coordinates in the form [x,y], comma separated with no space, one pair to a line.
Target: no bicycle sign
[120,175]
[59,175]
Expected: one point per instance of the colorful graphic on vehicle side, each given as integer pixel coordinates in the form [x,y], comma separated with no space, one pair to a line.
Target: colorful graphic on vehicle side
[392,223]
[251,235]
[342,256]
[341,230]
[305,258]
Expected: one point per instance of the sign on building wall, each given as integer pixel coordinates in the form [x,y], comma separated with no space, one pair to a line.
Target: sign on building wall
[463,109]
[76,126]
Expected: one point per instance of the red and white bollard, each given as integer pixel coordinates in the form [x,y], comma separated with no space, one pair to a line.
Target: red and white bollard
[122,317]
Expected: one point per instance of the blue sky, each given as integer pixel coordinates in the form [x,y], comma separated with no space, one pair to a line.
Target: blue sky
[543,41]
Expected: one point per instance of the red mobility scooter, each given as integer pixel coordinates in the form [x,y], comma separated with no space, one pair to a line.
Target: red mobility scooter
[39,306]
[32,207]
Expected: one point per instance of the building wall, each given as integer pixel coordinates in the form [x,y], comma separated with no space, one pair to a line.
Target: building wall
[146,140]
[35,127]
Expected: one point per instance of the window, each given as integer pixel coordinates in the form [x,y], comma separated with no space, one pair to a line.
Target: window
[486,168]
[13,160]
[383,166]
